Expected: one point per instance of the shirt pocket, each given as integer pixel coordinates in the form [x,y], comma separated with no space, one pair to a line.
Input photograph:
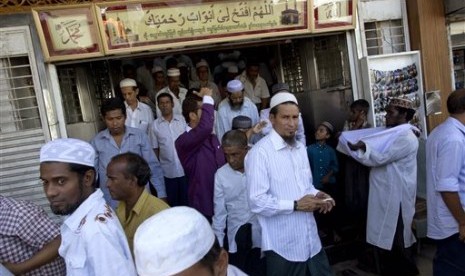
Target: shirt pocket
[76,263]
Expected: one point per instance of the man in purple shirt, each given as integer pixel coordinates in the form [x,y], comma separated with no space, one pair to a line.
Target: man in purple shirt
[199,150]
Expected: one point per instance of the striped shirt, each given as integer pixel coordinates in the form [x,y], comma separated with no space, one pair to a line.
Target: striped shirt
[277,174]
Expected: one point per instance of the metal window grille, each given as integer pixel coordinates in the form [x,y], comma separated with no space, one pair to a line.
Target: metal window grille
[292,67]
[384,37]
[102,82]
[18,103]
[332,61]
[70,95]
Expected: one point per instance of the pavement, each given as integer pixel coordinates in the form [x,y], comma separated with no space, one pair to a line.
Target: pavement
[350,266]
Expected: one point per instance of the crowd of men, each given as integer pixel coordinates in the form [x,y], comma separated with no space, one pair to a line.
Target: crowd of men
[255,192]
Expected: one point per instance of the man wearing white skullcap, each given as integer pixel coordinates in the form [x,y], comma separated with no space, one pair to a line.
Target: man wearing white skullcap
[180,241]
[265,114]
[93,242]
[255,87]
[203,74]
[234,105]
[281,193]
[175,90]
[138,114]
[393,186]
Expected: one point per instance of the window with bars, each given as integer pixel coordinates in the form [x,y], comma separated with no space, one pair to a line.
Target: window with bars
[384,37]
[18,102]
[67,78]
[332,61]
[292,67]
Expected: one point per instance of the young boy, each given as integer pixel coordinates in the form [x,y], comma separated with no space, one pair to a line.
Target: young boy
[324,165]
[358,115]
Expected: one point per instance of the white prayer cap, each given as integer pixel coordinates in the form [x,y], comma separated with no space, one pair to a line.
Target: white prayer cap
[282,97]
[173,72]
[172,241]
[127,83]
[157,69]
[68,150]
[201,63]
[235,86]
[233,69]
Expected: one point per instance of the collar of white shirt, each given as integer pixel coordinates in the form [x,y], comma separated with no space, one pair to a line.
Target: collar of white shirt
[127,106]
[73,221]
[279,143]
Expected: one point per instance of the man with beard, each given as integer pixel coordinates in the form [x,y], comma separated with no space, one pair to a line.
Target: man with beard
[234,105]
[93,242]
[281,193]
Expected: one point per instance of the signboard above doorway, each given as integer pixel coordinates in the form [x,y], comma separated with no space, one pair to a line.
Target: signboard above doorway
[149,25]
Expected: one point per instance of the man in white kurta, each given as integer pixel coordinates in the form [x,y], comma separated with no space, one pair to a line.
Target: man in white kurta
[393,186]
[281,193]
[234,105]
[231,206]
[92,239]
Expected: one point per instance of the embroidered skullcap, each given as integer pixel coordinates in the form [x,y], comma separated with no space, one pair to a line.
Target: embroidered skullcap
[282,97]
[241,122]
[279,87]
[328,125]
[127,83]
[201,63]
[156,69]
[172,241]
[173,72]
[68,150]
[401,102]
[234,86]
[233,69]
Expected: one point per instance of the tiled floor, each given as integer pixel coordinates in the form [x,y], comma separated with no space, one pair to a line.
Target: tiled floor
[424,262]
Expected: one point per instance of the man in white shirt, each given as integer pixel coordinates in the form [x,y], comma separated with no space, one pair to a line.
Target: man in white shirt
[165,130]
[203,74]
[255,86]
[445,178]
[138,114]
[231,206]
[265,115]
[180,241]
[175,90]
[281,193]
[93,241]
[234,105]
[393,186]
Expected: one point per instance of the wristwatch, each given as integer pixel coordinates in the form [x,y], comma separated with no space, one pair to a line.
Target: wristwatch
[295,205]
